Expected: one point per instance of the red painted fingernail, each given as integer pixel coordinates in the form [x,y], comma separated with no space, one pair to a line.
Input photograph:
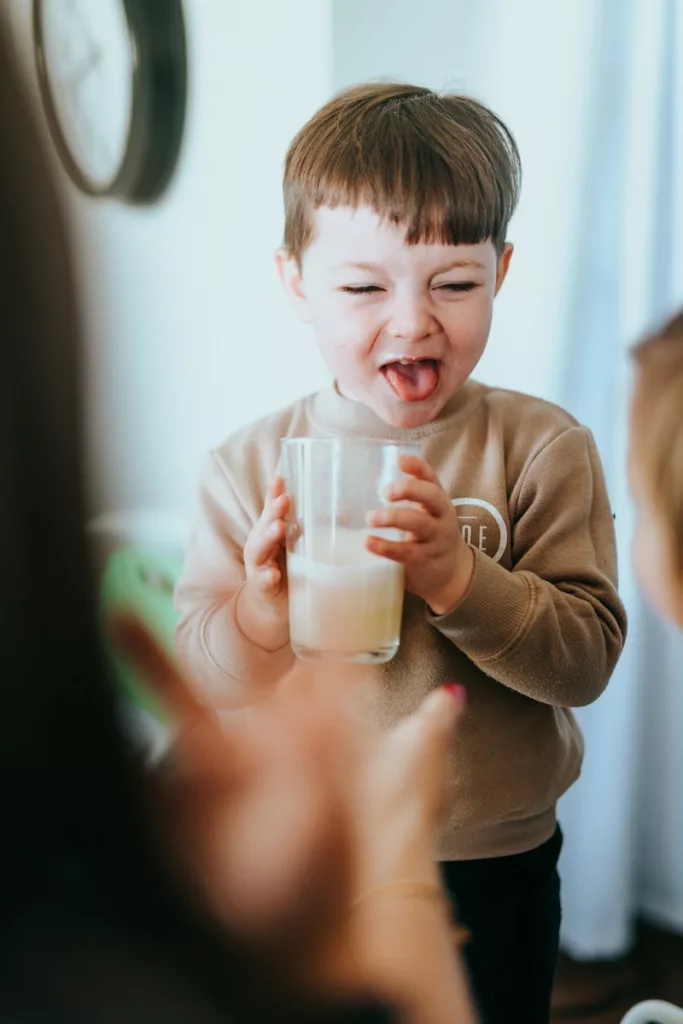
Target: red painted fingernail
[456,690]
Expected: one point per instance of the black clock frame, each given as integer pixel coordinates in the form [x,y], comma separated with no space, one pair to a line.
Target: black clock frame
[158,40]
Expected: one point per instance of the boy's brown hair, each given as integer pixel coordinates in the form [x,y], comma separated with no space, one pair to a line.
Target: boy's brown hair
[657,427]
[442,165]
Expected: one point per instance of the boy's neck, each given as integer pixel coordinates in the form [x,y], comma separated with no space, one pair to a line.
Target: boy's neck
[347,415]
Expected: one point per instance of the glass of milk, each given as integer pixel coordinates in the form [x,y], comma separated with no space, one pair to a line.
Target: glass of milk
[344,601]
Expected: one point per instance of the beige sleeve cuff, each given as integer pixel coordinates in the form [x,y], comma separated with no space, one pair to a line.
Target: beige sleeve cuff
[492,615]
[238,660]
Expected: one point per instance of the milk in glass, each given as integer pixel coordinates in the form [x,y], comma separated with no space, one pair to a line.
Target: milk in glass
[344,600]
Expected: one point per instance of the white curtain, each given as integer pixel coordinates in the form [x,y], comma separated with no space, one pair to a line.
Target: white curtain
[593,90]
[623,822]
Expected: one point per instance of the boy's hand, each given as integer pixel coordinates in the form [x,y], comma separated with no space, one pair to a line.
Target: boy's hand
[262,609]
[438,562]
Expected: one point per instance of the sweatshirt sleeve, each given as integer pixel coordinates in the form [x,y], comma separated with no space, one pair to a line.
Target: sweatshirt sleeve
[552,628]
[221,661]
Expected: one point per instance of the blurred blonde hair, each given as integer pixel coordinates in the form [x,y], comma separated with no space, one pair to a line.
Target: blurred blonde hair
[657,427]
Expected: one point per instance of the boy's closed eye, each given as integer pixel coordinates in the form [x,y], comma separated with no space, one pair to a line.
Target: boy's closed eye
[456,286]
[360,289]
[447,286]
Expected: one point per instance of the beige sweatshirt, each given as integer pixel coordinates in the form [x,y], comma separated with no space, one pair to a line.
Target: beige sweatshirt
[539,630]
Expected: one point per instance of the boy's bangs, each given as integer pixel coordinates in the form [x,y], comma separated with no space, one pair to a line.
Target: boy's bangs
[420,193]
[443,167]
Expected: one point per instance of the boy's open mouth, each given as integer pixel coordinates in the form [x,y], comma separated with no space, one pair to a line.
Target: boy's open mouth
[413,380]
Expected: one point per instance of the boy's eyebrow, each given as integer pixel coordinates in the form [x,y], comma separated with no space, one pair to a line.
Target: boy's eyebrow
[451,265]
[457,264]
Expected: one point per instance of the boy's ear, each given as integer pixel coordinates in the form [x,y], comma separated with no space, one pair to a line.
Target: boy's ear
[292,281]
[503,265]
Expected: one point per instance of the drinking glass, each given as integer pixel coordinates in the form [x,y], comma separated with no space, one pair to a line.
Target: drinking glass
[344,601]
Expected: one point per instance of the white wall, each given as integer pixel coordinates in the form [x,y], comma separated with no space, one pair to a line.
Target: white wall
[437,43]
[527,60]
[188,333]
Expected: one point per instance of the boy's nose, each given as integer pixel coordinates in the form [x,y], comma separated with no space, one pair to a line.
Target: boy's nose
[411,318]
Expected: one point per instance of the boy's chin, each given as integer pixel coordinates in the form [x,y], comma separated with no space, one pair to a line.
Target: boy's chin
[398,414]
[409,415]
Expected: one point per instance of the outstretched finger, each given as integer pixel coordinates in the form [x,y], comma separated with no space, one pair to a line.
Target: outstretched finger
[326,684]
[439,714]
[424,741]
[162,676]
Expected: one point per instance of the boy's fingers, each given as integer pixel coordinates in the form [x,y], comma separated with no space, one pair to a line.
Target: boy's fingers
[268,579]
[427,493]
[277,503]
[395,551]
[417,467]
[161,675]
[276,488]
[411,520]
[265,544]
[275,510]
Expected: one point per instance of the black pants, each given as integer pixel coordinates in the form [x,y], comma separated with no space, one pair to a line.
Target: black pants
[511,907]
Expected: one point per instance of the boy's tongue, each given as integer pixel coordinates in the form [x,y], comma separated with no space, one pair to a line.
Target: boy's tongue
[413,382]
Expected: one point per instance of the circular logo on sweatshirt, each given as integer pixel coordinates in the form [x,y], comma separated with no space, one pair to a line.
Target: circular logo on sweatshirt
[482,526]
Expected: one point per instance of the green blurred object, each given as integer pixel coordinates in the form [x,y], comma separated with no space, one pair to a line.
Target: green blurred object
[139,581]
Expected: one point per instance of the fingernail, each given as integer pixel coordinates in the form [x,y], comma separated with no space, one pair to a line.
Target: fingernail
[457,691]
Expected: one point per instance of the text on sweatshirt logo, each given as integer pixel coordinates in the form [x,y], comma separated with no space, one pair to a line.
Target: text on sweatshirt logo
[482,525]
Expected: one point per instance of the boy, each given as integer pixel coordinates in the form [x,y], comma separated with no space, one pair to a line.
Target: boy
[397,203]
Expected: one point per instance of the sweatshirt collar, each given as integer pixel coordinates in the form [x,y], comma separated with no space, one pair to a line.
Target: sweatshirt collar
[337,415]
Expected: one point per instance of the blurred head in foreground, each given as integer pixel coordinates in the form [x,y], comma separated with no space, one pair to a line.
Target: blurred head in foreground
[656,467]
[98,920]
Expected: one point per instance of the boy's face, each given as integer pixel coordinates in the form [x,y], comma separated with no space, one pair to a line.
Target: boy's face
[401,326]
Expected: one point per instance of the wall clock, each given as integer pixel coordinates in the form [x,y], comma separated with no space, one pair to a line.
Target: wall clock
[113,81]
